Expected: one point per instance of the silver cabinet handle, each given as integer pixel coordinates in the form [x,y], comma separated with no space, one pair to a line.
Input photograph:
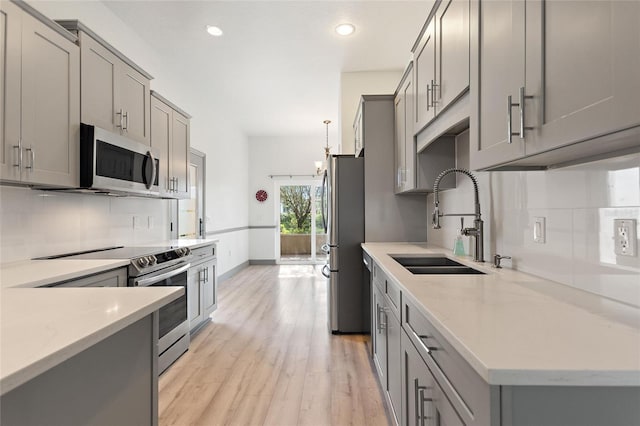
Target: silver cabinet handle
[433,93]
[125,116]
[427,349]
[429,96]
[32,157]
[18,152]
[383,325]
[416,395]
[121,114]
[520,105]
[423,417]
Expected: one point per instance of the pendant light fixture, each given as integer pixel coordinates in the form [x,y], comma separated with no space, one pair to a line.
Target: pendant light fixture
[327,148]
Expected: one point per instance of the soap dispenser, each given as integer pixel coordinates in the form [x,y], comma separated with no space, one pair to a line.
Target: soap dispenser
[458,244]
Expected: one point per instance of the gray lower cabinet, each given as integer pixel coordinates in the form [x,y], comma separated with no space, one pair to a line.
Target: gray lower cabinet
[113,382]
[425,404]
[386,329]
[201,287]
[426,382]
[113,278]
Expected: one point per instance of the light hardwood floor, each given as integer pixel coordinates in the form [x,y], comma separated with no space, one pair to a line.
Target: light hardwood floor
[267,358]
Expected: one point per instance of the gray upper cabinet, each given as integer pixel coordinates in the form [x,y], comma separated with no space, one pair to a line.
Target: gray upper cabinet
[115,93]
[424,59]
[170,133]
[542,84]
[452,52]
[40,118]
[404,140]
[441,58]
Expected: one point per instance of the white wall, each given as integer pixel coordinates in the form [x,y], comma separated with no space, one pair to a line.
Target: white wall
[39,223]
[579,204]
[352,86]
[273,155]
[211,132]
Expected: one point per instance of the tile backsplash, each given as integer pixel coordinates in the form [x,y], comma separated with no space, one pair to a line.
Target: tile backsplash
[39,223]
[579,204]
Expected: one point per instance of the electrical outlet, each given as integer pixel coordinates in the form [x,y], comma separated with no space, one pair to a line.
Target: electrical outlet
[624,236]
[539,230]
[137,222]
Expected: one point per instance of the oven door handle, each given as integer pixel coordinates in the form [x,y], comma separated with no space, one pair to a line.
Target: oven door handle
[149,281]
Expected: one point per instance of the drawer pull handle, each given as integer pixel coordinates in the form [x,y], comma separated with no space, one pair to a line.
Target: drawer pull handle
[420,338]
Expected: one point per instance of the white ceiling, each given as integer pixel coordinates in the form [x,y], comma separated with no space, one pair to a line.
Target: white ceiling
[277,68]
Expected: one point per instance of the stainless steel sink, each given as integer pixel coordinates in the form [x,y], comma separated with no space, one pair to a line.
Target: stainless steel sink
[434,265]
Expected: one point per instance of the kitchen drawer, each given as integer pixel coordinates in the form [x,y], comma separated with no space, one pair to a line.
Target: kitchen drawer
[393,292]
[388,287]
[202,252]
[112,278]
[379,278]
[466,390]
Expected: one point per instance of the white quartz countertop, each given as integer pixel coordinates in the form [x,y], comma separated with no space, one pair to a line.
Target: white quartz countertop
[517,329]
[191,243]
[42,327]
[36,273]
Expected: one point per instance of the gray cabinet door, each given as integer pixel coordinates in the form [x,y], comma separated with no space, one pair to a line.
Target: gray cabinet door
[409,182]
[452,51]
[497,72]
[394,374]
[209,293]
[424,61]
[400,154]
[132,95]
[380,340]
[98,69]
[424,402]
[195,276]
[180,154]
[10,52]
[50,106]
[417,387]
[582,71]
[161,122]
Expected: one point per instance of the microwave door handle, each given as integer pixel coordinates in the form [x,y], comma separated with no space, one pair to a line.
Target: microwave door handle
[150,281]
[153,170]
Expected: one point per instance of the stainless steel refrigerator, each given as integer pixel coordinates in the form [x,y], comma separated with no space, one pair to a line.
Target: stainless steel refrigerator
[343,215]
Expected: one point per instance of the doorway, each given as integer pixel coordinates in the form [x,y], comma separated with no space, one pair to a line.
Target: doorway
[300,235]
[191,224]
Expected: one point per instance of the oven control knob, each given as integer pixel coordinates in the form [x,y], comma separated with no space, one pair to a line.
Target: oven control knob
[143,262]
[152,260]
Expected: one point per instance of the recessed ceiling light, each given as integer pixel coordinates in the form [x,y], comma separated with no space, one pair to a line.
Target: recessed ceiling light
[214,31]
[345,29]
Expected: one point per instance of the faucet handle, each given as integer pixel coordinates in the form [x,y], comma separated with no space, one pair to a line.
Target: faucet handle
[496,260]
[461,224]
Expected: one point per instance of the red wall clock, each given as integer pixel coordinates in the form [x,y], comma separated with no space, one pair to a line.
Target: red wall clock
[261,195]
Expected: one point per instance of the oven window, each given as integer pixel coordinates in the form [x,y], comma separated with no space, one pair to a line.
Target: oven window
[174,313]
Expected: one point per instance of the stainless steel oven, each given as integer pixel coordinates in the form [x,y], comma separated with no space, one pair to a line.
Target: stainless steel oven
[155,267]
[174,323]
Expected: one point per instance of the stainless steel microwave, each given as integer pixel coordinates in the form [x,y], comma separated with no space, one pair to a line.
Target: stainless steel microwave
[114,164]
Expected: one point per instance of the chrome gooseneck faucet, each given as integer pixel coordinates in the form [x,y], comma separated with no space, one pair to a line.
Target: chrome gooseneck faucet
[476,232]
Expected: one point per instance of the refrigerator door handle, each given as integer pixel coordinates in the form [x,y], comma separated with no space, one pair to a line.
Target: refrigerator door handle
[325,271]
[323,201]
